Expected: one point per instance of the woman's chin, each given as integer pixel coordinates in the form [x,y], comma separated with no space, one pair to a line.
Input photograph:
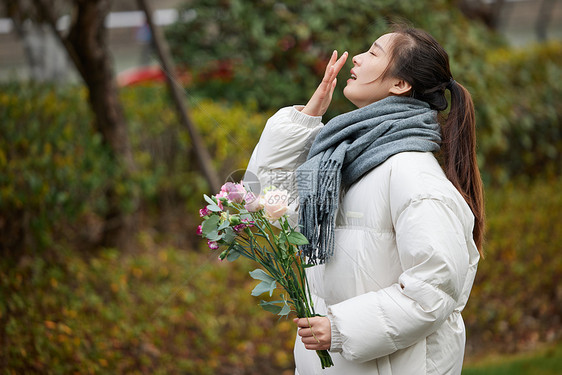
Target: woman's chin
[346,92]
[348,97]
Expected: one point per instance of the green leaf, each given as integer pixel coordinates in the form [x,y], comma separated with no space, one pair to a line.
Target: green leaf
[235,250]
[214,208]
[263,287]
[212,205]
[214,235]
[285,310]
[210,225]
[224,224]
[259,274]
[233,255]
[229,235]
[271,306]
[209,199]
[297,238]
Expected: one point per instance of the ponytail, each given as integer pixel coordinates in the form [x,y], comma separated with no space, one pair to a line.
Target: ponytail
[419,59]
[458,150]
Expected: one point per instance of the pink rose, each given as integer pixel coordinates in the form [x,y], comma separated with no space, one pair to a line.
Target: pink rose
[221,194]
[213,245]
[253,203]
[234,192]
[276,204]
[199,230]
[204,212]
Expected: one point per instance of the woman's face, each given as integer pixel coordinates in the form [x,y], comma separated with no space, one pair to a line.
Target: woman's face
[366,84]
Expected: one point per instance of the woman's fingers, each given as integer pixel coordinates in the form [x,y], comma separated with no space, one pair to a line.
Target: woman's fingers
[334,66]
[305,332]
[340,62]
[315,332]
[333,59]
[330,79]
[316,347]
[320,100]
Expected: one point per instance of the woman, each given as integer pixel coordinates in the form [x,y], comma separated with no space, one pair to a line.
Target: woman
[396,235]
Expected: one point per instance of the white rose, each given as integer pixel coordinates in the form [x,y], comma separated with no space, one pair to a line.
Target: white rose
[276,204]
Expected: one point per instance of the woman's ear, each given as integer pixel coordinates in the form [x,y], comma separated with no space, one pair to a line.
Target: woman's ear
[400,87]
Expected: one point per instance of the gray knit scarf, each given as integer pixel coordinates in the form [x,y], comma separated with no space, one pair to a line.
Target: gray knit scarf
[349,146]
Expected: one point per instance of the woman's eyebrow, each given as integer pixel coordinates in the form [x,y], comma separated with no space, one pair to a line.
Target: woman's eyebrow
[378,46]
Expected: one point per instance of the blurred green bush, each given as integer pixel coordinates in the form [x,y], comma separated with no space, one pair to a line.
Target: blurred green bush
[274,54]
[163,149]
[54,168]
[516,301]
[53,165]
[518,96]
[164,310]
[157,310]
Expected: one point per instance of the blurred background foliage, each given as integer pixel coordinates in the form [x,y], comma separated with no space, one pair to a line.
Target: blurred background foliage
[67,306]
[55,167]
[274,54]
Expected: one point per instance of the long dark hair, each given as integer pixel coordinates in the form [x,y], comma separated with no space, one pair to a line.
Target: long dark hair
[417,58]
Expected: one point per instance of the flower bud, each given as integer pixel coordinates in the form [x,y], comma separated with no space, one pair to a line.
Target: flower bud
[223,255]
[235,220]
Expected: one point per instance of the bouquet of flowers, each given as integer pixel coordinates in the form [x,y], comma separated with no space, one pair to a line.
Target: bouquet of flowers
[242,223]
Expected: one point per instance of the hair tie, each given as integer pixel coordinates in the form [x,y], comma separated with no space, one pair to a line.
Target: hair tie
[451,83]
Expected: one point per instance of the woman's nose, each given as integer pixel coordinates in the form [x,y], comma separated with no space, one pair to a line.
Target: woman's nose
[355,60]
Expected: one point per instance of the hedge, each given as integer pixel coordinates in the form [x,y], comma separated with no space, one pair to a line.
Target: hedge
[516,301]
[164,310]
[275,54]
[517,95]
[55,168]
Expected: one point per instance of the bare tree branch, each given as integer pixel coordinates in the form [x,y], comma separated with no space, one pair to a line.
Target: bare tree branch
[87,46]
[543,19]
[46,10]
[177,93]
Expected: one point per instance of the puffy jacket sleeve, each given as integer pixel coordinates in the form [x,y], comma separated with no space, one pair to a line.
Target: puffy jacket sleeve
[432,248]
[283,146]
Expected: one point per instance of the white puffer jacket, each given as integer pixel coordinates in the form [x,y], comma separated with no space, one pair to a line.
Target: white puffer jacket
[403,265]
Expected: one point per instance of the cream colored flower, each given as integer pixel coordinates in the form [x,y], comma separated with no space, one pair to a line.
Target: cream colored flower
[276,204]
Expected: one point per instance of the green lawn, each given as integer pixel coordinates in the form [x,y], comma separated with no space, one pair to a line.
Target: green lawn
[543,362]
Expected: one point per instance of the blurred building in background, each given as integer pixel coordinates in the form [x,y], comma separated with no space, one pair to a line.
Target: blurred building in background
[38,54]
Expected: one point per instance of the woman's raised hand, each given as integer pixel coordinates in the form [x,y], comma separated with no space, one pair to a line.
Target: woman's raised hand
[320,100]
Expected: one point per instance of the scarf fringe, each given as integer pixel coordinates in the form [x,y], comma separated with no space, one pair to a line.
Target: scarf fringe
[317,209]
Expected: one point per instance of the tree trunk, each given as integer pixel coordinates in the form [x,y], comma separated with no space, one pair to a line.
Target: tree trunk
[543,19]
[177,93]
[86,44]
[489,13]
[44,54]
